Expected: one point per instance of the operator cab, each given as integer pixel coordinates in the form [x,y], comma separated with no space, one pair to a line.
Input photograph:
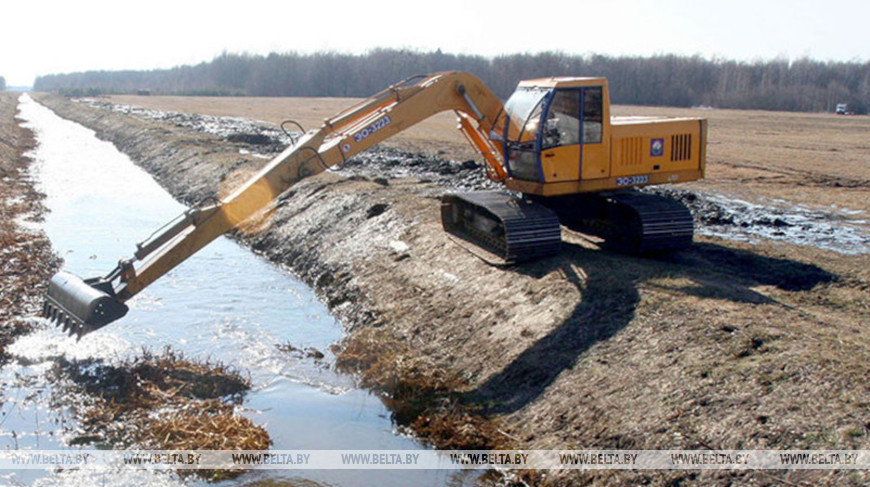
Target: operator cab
[573,113]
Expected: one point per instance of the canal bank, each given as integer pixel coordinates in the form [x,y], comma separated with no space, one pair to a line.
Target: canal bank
[26,258]
[211,310]
[407,300]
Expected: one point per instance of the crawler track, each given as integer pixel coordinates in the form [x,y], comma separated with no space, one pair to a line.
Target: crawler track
[629,222]
[509,230]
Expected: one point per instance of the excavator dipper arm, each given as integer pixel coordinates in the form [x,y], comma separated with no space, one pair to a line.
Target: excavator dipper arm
[81,306]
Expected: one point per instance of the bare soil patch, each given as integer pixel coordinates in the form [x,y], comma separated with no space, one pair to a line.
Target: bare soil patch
[437,135]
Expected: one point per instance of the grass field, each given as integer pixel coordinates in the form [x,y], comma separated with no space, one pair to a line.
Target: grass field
[812,159]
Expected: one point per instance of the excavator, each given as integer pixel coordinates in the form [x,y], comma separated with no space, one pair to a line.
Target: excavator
[553,144]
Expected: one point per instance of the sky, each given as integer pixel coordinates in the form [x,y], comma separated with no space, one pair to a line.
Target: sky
[41,37]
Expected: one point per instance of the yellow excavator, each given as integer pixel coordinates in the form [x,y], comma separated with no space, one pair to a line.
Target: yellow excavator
[553,143]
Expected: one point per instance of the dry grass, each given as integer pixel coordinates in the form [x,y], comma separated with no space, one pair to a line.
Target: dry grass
[26,259]
[164,402]
[421,395]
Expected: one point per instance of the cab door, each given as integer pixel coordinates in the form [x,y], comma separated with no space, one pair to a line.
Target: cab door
[572,138]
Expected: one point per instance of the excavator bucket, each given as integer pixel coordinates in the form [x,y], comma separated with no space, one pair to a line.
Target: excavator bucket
[81,306]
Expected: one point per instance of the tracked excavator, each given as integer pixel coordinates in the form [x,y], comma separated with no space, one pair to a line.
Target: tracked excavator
[554,145]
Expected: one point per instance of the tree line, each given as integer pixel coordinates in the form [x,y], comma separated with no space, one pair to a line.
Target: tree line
[670,80]
[2,83]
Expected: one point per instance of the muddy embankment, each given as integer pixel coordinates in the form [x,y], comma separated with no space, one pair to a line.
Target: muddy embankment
[728,345]
[26,258]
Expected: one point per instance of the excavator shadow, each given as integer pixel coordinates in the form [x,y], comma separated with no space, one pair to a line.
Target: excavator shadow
[610,296]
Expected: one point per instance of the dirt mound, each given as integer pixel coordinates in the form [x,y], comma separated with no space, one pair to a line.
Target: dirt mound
[379,162]
[391,163]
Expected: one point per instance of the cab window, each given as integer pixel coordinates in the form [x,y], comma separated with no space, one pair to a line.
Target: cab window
[518,121]
[593,113]
[563,120]
[573,112]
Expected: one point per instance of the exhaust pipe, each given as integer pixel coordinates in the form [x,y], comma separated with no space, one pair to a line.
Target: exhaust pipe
[81,306]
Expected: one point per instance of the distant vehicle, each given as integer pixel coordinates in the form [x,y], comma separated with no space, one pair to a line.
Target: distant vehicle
[842,109]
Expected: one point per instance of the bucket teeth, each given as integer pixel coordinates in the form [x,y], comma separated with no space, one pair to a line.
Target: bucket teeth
[68,324]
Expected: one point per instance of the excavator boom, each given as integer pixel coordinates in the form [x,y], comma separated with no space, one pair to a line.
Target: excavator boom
[84,305]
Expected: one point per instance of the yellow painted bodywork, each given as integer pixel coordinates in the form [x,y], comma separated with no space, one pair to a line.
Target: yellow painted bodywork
[622,157]
[628,154]
[680,150]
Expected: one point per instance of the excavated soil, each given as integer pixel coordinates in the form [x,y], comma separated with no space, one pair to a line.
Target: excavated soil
[733,344]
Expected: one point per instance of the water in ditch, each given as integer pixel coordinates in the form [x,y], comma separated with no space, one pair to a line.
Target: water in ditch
[223,304]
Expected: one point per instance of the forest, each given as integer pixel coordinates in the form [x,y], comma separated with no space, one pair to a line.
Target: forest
[664,80]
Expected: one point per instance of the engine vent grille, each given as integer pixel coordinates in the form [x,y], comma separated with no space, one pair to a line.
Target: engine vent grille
[632,151]
[681,147]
